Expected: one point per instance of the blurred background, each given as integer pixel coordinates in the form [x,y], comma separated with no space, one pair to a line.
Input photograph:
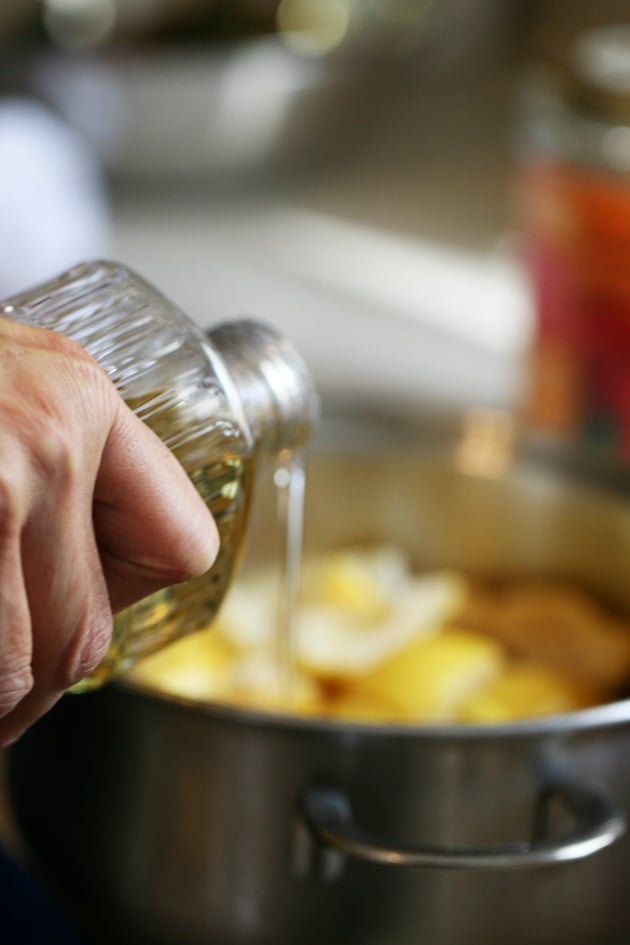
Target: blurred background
[354,171]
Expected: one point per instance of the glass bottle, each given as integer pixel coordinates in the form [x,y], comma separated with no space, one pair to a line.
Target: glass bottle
[220,400]
[574,211]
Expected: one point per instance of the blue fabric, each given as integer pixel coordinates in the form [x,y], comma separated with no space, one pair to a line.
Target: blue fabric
[28,913]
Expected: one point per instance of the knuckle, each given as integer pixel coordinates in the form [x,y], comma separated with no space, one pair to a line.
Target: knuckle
[73,390]
[15,684]
[56,455]
[11,501]
[80,359]
[89,649]
[64,346]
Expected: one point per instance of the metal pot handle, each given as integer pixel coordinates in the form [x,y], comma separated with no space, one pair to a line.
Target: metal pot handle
[327,815]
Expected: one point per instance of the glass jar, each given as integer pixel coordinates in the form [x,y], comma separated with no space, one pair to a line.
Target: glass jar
[574,207]
[219,400]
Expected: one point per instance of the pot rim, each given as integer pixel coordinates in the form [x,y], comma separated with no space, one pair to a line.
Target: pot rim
[351,427]
[610,714]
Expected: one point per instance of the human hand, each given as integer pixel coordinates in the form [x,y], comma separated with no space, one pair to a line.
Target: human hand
[95,514]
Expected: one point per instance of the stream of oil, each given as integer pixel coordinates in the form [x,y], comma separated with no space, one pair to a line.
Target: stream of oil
[290,480]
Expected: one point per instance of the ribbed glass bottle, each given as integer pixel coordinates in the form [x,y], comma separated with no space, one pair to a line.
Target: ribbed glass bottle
[217,400]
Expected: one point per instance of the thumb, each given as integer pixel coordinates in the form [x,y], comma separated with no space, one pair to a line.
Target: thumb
[151,525]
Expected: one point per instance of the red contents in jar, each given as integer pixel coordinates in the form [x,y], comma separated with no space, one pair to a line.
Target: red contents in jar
[577,222]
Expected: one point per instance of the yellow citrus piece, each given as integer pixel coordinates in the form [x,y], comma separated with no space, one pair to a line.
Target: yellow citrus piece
[524,691]
[332,644]
[196,667]
[430,678]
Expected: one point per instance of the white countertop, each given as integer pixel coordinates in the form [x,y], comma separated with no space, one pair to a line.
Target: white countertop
[371,309]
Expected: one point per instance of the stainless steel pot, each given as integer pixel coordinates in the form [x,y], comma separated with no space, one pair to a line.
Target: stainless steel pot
[164,821]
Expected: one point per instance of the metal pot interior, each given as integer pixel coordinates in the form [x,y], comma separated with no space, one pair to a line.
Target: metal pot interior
[465,492]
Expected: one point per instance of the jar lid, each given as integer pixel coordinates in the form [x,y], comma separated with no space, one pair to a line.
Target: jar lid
[593,74]
[601,63]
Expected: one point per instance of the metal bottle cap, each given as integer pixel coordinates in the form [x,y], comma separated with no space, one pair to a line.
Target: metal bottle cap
[274,385]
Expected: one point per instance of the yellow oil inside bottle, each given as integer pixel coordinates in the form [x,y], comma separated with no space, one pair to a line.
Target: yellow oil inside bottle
[217,458]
